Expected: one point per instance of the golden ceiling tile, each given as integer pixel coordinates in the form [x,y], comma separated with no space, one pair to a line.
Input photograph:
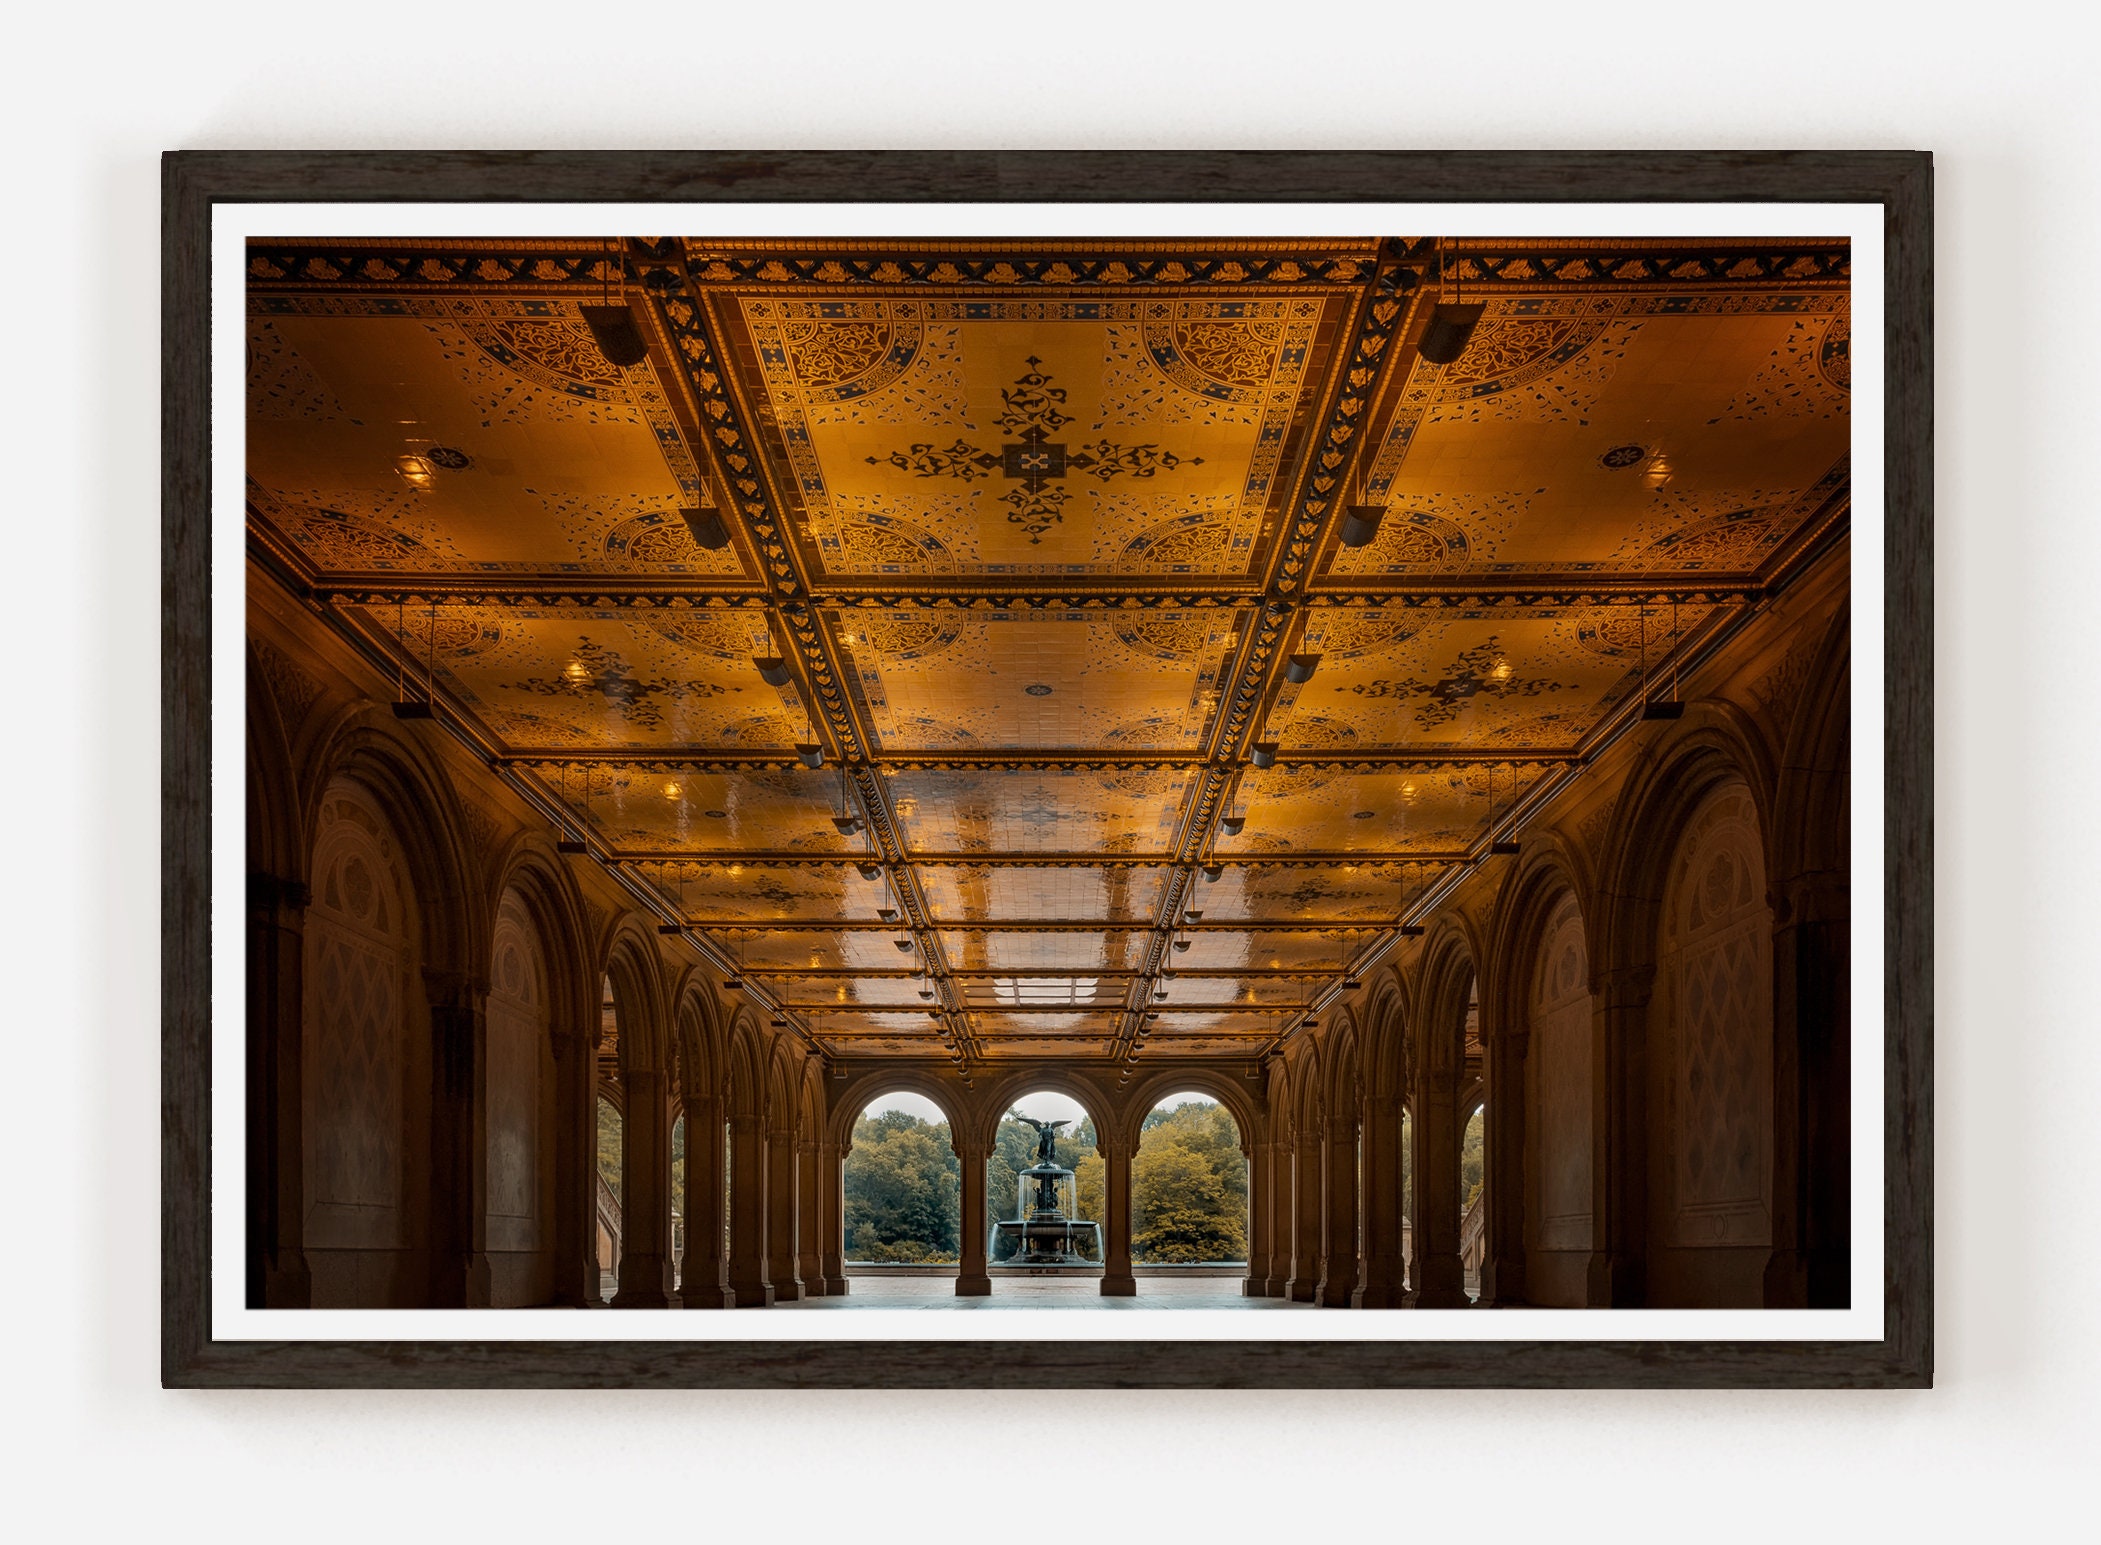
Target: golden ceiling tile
[1238,992]
[700,814]
[843,993]
[1600,433]
[1367,892]
[1313,810]
[809,951]
[1065,1049]
[1039,953]
[561,678]
[1039,679]
[1306,949]
[1059,811]
[1039,1025]
[1045,434]
[748,893]
[978,893]
[1047,992]
[465,435]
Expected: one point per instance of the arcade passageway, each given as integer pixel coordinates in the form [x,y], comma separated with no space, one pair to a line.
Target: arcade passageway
[1396,689]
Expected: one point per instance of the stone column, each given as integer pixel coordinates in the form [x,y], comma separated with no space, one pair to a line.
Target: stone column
[749,1283]
[1811,1265]
[1338,1267]
[973,1277]
[831,1213]
[1503,1163]
[645,1195]
[705,1284]
[1256,1283]
[1303,1284]
[1117,1278]
[1380,1286]
[459,1140]
[1618,1274]
[808,1264]
[782,1210]
[277,1274]
[1440,1280]
[576,1263]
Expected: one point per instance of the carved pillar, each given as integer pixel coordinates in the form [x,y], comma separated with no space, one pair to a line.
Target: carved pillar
[1617,1278]
[1338,1256]
[1811,1264]
[973,1278]
[1303,1284]
[1440,1281]
[705,1282]
[831,1213]
[645,1195]
[576,1263]
[1117,1278]
[1503,1163]
[1256,1283]
[1381,1286]
[782,1211]
[277,1272]
[808,1263]
[749,1283]
[459,1140]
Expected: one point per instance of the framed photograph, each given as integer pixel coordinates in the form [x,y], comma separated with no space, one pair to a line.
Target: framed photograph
[925,751]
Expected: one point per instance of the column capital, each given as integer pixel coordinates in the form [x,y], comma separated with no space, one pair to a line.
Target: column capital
[1812,898]
[454,990]
[1624,986]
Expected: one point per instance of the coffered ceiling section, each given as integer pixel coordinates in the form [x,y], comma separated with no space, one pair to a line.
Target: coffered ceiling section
[1035,549]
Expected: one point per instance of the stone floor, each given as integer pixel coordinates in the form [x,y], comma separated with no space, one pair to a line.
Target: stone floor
[1036,1293]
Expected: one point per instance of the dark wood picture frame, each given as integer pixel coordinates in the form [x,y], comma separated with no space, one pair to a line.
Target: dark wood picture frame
[194,182]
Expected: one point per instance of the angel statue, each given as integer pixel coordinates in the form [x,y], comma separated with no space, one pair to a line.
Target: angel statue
[1046,1136]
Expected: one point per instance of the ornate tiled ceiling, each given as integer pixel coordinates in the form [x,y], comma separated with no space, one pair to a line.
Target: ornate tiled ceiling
[1035,530]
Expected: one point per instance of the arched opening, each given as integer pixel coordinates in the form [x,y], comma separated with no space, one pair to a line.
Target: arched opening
[521,1111]
[902,1186]
[1559,1226]
[1473,1210]
[365,1036]
[610,1155]
[678,1201]
[1408,1279]
[1189,1186]
[1016,1143]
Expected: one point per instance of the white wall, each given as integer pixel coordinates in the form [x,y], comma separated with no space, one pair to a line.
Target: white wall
[2000,95]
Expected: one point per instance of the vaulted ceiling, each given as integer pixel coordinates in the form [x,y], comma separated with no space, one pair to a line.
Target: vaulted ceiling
[1037,531]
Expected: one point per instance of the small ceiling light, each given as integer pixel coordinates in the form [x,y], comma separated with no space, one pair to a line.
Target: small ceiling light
[415,471]
[1658,708]
[673,791]
[670,928]
[708,528]
[887,914]
[413,708]
[733,984]
[1503,847]
[613,329]
[1300,668]
[1232,824]
[1160,991]
[571,845]
[1411,930]
[1181,945]
[847,824]
[904,946]
[1351,983]
[1264,754]
[870,871]
[1451,329]
[780,1021]
[773,670]
[1194,915]
[1213,871]
[926,993]
[810,756]
[1360,524]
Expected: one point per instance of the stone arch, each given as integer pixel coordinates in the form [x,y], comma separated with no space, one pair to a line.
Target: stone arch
[1110,1114]
[696,1030]
[1230,1093]
[1384,1054]
[1812,802]
[520,1099]
[856,1094]
[632,964]
[276,833]
[366,1088]
[1539,991]
[367,745]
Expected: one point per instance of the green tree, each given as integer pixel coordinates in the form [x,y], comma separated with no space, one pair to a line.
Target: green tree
[902,1185]
[1470,1162]
[609,1142]
[1189,1186]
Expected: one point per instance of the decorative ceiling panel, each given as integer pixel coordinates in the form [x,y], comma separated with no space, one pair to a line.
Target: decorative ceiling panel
[1039,679]
[563,678]
[854,993]
[1038,953]
[1432,810]
[1044,992]
[805,950]
[445,434]
[749,893]
[994,434]
[1369,892]
[1597,433]
[701,813]
[979,893]
[1265,991]
[1307,949]
[1063,1048]
[1057,811]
